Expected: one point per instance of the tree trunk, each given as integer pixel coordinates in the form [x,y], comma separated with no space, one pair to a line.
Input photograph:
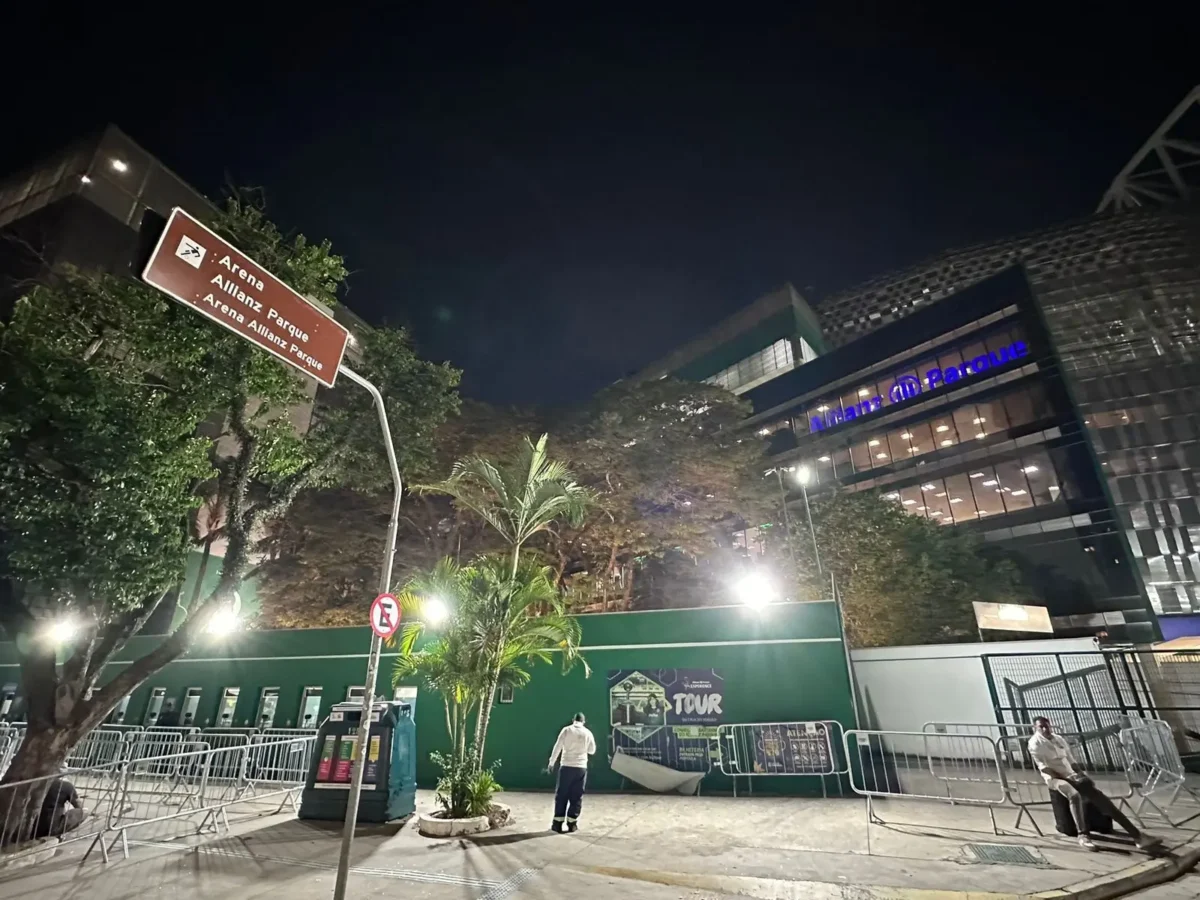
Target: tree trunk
[627,599]
[42,754]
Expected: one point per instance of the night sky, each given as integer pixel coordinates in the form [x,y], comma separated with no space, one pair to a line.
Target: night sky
[551,203]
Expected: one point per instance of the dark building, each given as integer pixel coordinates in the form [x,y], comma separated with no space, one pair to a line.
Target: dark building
[1119,297]
[1088,418]
[959,412]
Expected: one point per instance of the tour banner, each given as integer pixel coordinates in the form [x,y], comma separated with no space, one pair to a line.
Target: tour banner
[666,716]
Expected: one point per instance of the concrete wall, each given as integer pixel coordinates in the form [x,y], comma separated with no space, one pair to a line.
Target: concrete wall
[902,688]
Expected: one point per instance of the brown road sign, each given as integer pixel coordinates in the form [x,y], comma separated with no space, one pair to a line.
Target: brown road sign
[207,273]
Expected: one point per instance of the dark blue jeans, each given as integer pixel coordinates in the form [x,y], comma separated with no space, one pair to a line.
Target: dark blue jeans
[568,799]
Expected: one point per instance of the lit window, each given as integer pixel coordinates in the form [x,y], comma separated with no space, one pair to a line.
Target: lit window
[928,487]
[922,508]
[981,434]
[942,428]
[978,420]
[84,179]
[914,449]
[822,409]
[119,165]
[764,431]
[863,392]
[956,499]
[881,456]
[892,496]
[991,482]
[947,443]
[907,436]
[936,512]
[910,502]
[1019,493]
[940,494]
[1029,470]
[872,443]
[822,459]
[976,474]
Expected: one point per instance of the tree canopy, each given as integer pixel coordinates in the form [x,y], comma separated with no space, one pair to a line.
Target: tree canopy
[902,578]
[120,412]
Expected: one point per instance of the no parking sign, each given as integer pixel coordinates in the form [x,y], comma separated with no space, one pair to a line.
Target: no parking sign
[385,615]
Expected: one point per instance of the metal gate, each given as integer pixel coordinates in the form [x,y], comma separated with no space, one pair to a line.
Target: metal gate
[1093,694]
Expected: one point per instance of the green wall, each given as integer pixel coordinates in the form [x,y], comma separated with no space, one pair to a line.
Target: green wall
[779,663]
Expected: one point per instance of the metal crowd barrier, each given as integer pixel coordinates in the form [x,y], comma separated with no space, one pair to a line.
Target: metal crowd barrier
[178,779]
[192,790]
[770,749]
[988,766]
[38,808]
[1155,769]
[954,768]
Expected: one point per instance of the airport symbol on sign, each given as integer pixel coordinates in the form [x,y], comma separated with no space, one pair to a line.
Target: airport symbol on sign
[385,615]
[190,252]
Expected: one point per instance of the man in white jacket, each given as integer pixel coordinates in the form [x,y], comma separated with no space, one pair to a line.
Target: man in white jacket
[1061,773]
[574,745]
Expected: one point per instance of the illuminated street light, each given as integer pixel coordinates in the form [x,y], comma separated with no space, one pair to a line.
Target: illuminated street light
[803,475]
[61,631]
[435,610]
[224,621]
[755,589]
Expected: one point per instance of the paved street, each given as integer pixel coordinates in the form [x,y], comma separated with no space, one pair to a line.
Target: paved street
[651,847]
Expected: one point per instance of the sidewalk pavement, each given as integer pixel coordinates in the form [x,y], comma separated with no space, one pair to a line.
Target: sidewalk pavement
[645,847]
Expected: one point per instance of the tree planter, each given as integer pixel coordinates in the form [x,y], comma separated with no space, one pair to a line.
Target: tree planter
[435,825]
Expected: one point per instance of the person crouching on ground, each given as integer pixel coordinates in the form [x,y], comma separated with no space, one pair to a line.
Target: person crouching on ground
[574,745]
[1058,769]
[55,819]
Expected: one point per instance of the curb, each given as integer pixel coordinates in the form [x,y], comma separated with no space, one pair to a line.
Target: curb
[1105,887]
[1135,878]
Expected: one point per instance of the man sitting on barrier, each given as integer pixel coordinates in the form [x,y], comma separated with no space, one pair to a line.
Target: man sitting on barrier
[1058,768]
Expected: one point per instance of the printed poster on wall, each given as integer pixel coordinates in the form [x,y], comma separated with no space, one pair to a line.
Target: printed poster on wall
[666,716]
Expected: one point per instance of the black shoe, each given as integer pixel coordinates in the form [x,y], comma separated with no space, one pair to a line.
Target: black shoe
[556,828]
[572,828]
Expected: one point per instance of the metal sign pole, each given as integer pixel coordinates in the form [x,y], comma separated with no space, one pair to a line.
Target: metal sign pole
[385,583]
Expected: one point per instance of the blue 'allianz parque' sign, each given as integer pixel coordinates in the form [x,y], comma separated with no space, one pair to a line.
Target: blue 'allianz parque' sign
[906,387]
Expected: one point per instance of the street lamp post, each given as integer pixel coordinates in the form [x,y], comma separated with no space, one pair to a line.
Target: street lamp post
[803,476]
[787,519]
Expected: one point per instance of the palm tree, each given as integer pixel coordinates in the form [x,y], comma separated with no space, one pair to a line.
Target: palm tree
[501,624]
[517,500]
[522,619]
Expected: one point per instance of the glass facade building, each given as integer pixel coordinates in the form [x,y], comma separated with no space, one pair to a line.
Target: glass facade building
[963,414]
[1119,297]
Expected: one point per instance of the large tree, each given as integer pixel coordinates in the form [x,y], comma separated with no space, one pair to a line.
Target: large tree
[903,579]
[323,554]
[674,474]
[105,385]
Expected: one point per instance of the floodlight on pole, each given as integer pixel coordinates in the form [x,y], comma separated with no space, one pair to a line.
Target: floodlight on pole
[434,610]
[61,631]
[755,589]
